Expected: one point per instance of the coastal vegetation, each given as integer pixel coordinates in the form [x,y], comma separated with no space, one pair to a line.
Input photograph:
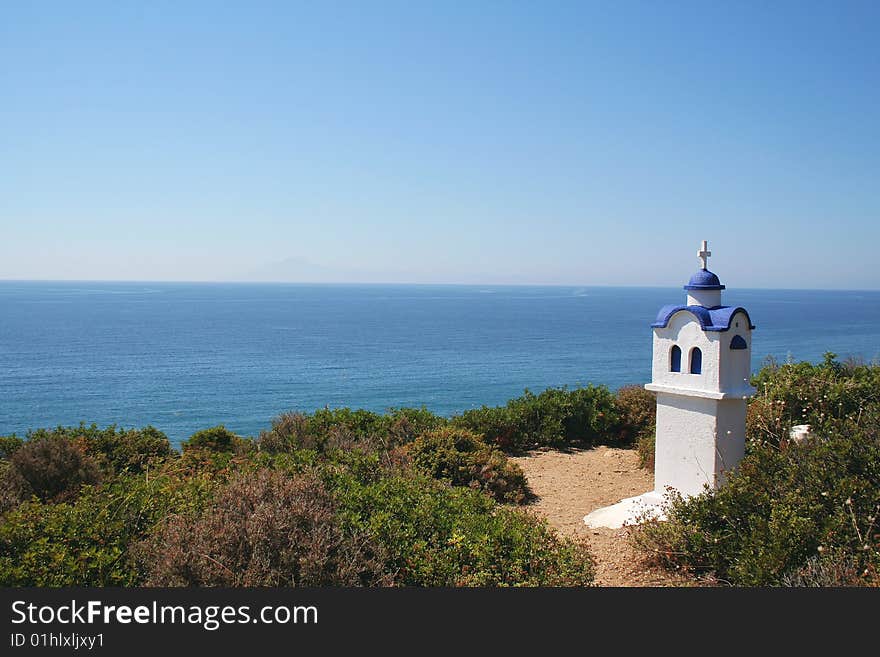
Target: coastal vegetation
[406,497]
[334,497]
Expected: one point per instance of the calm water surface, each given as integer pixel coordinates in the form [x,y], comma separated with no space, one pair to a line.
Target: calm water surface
[185,356]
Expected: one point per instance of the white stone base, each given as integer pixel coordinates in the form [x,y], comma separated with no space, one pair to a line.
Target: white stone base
[629,511]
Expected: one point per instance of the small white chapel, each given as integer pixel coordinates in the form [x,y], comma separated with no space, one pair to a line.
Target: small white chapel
[700,374]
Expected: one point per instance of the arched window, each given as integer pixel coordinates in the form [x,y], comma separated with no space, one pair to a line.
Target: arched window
[675,359]
[738,343]
[696,361]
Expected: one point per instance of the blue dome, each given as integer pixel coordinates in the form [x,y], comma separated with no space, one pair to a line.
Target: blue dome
[704,280]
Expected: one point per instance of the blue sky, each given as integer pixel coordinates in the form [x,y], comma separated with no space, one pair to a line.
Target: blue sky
[487,142]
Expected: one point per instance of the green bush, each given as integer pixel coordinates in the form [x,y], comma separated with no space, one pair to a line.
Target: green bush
[403,425]
[645,448]
[87,542]
[326,431]
[214,439]
[431,534]
[781,509]
[288,432]
[358,423]
[436,535]
[8,445]
[385,529]
[115,450]
[496,423]
[464,459]
[826,396]
[13,489]
[343,427]
[637,413]
[555,417]
[130,450]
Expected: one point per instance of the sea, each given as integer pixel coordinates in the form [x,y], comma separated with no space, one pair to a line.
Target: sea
[185,356]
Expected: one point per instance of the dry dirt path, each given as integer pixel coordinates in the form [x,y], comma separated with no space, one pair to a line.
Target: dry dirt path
[571,484]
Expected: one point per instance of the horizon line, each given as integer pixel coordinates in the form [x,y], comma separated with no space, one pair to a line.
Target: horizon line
[411,284]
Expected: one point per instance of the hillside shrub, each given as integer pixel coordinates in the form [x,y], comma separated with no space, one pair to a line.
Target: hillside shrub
[13,489]
[339,496]
[288,432]
[429,533]
[556,417]
[297,431]
[87,542]
[341,516]
[8,445]
[356,423]
[636,411]
[213,439]
[497,424]
[130,450]
[403,425]
[779,514]
[826,396]
[263,529]
[50,469]
[437,535]
[645,448]
[464,459]
[332,428]
[115,450]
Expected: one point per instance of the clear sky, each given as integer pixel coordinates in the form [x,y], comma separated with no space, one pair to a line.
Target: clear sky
[456,142]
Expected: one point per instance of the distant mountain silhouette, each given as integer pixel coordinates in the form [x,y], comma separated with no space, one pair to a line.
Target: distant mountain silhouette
[294,269]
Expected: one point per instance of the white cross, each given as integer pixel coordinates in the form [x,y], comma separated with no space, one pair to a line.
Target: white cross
[704,253]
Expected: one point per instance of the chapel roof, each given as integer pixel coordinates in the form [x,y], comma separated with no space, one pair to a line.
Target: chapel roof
[711,319]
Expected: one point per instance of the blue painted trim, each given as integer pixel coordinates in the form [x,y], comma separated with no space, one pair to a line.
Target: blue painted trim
[704,287]
[711,319]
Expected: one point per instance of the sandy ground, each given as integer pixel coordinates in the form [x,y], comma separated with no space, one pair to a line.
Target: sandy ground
[571,484]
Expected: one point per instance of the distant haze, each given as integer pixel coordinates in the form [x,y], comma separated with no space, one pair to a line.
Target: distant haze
[489,143]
